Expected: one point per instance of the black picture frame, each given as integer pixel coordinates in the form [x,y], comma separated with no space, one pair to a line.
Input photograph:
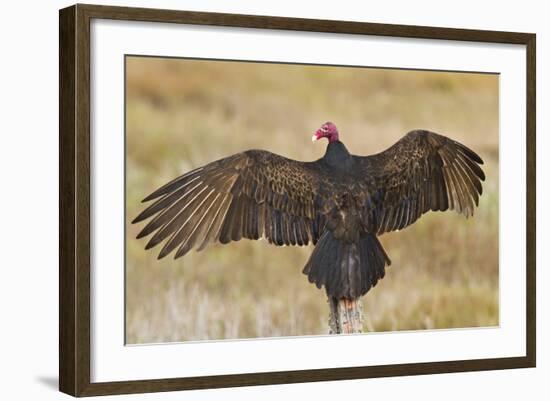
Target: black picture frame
[74,199]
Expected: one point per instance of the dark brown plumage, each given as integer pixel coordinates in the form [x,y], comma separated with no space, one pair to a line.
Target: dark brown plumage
[340,202]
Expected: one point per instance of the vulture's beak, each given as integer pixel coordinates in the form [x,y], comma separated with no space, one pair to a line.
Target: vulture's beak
[318,135]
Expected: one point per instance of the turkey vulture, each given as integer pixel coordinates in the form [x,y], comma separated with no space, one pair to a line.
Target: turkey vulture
[340,203]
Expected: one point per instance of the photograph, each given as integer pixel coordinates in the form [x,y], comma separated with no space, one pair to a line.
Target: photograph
[269,199]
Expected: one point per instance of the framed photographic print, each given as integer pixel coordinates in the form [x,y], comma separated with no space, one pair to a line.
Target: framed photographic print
[250,200]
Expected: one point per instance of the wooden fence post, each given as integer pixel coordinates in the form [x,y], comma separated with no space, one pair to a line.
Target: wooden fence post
[345,316]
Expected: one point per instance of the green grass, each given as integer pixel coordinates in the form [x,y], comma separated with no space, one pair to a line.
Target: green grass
[182,114]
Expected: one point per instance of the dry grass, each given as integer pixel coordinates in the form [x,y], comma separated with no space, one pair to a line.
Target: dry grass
[182,114]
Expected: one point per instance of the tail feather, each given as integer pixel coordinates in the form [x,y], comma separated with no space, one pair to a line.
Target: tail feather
[346,270]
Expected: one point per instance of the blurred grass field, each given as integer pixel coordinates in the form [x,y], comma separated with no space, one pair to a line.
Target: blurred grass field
[181,114]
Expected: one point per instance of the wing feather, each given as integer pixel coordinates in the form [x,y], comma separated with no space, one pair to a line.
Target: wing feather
[423,171]
[251,195]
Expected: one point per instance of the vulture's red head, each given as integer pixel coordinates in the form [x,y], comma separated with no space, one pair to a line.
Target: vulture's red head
[328,130]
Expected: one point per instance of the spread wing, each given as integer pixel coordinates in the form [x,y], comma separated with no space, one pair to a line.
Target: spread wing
[253,194]
[423,171]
